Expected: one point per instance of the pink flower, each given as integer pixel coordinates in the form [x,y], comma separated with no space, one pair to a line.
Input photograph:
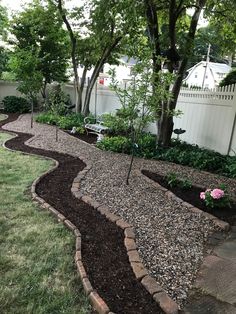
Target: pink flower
[217,193]
[202,195]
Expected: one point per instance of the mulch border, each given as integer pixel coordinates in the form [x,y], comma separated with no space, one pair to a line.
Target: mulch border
[168,305]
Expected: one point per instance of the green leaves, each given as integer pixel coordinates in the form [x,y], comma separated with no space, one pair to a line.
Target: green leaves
[41,53]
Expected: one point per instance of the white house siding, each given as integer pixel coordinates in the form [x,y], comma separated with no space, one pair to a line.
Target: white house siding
[215,72]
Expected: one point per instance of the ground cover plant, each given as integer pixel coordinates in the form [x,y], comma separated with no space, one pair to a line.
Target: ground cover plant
[66,122]
[179,152]
[36,261]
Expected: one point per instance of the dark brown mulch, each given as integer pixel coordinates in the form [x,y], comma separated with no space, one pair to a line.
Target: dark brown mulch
[89,138]
[11,117]
[103,252]
[192,196]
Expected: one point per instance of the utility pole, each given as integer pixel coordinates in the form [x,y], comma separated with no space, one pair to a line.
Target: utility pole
[207,62]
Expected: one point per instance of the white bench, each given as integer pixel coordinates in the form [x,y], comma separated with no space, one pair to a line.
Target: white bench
[95,128]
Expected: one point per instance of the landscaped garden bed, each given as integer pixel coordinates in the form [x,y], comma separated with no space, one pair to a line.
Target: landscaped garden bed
[104,255]
[191,194]
[170,239]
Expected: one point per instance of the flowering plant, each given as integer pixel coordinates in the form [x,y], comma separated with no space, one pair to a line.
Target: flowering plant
[215,198]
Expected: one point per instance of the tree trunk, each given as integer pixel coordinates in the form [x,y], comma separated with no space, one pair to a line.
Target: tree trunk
[82,83]
[78,105]
[106,53]
[43,91]
[166,124]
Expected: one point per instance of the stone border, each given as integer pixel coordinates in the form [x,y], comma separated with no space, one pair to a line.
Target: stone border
[159,295]
[216,221]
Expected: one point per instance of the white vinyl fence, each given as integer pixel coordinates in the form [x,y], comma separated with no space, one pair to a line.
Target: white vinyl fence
[208,116]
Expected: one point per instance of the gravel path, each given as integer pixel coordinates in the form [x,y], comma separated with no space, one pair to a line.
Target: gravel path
[170,239]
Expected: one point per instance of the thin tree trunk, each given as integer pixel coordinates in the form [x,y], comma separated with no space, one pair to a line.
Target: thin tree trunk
[132,158]
[32,113]
[95,74]
[78,105]
[82,83]
[43,91]
[154,39]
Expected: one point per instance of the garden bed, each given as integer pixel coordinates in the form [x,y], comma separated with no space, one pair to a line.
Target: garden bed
[88,138]
[172,260]
[192,196]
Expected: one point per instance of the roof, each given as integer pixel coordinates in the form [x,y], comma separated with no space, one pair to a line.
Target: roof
[214,67]
[128,61]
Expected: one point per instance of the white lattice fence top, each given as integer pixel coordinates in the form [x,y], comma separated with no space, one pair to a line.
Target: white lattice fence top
[227,94]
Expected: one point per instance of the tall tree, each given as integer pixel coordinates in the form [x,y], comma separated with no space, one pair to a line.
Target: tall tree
[38,30]
[108,24]
[74,42]
[170,13]
[222,16]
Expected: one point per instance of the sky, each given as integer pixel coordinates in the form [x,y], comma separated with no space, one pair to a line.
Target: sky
[16,5]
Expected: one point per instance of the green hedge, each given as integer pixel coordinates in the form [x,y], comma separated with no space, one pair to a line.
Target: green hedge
[16,104]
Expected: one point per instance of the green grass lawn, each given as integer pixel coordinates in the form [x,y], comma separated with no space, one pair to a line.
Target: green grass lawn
[37,271]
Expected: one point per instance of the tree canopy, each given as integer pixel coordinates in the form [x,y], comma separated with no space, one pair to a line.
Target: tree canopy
[39,36]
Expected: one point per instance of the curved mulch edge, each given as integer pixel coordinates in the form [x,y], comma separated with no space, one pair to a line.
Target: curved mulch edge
[225,226]
[97,302]
[168,305]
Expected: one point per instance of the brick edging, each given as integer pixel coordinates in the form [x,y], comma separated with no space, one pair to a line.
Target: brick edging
[157,292]
[97,302]
[216,221]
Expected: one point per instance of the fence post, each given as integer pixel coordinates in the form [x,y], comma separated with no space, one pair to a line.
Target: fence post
[233,133]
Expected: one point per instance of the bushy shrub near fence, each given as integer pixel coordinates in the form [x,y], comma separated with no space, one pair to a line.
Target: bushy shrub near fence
[66,122]
[16,104]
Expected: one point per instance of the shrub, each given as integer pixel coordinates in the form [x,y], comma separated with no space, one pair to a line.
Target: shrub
[80,130]
[180,153]
[193,156]
[230,167]
[146,145]
[16,104]
[48,118]
[64,122]
[173,181]
[118,144]
[71,120]
[215,198]
[116,124]
[58,102]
